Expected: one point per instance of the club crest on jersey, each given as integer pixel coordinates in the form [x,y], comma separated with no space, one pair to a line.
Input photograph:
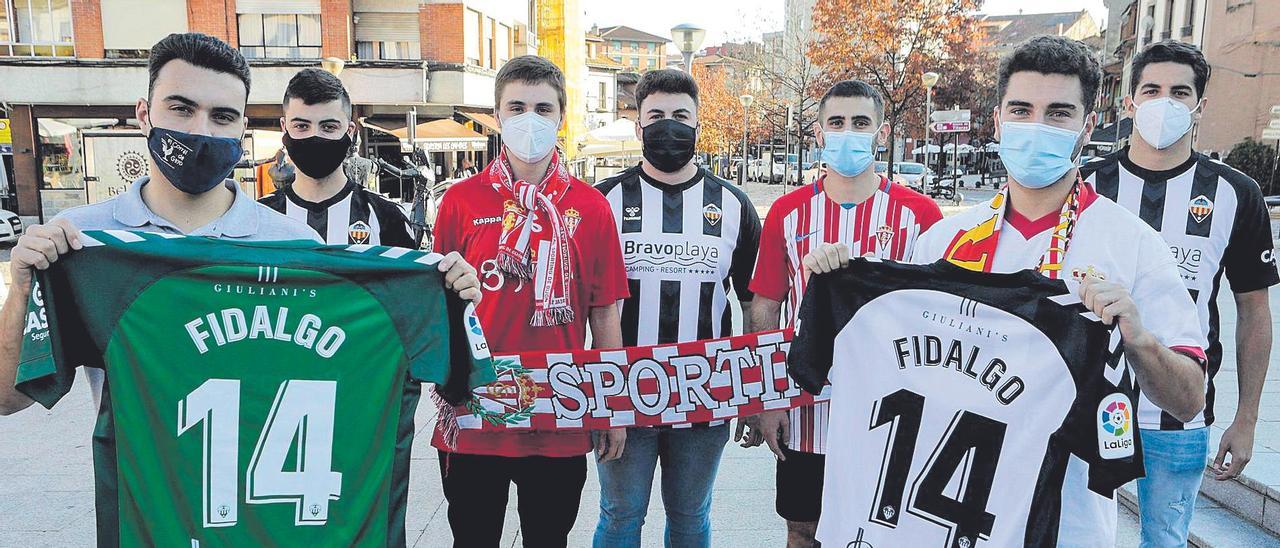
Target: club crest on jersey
[884,235]
[1200,208]
[1115,427]
[571,220]
[359,232]
[712,214]
[508,400]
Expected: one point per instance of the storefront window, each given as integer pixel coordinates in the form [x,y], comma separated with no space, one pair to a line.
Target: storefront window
[36,28]
[279,36]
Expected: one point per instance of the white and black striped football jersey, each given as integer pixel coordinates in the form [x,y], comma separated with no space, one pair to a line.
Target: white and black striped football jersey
[1215,221]
[960,399]
[684,246]
[355,215]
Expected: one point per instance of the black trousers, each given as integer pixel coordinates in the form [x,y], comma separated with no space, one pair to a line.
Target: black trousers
[548,490]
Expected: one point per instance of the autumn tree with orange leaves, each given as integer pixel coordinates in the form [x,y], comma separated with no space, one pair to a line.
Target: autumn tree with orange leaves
[891,43]
[719,111]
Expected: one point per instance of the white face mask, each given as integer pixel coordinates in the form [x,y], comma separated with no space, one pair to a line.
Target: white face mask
[529,136]
[1162,122]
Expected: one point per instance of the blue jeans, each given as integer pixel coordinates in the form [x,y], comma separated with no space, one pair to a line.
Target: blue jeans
[690,458]
[1175,461]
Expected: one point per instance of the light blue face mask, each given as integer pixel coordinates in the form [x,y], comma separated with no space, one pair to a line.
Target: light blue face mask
[1037,155]
[849,153]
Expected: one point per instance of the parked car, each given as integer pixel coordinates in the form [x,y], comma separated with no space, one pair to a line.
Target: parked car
[912,175]
[10,226]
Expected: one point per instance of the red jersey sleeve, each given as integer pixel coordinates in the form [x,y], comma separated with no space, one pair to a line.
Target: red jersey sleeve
[927,213]
[446,233]
[607,275]
[771,279]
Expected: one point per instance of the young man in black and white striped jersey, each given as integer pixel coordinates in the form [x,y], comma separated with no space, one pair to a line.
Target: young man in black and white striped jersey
[317,133]
[1215,221]
[687,238]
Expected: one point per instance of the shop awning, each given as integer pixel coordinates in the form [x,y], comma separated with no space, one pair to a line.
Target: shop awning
[485,120]
[443,135]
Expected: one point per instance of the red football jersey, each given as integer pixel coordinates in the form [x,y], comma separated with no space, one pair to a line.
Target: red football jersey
[885,225]
[470,221]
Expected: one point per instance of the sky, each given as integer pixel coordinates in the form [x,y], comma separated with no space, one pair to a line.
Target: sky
[730,20]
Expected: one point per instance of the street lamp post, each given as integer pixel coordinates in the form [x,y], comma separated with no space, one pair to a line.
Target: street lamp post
[746,101]
[688,39]
[929,79]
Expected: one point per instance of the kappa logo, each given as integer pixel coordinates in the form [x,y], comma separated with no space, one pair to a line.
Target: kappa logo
[1201,207]
[173,152]
[1115,427]
[359,232]
[712,214]
[631,213]
[884,235]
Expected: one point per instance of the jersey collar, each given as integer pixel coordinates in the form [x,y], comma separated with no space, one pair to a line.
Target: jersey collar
[239,221]
[818,188]
[1030,228]
[1153,176]
[322,205]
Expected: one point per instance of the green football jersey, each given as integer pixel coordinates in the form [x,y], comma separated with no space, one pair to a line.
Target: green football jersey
[256,394]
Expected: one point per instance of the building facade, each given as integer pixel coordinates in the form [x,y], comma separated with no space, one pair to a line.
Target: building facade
[81,64]
[635,49]
[1241,41]
[601,87]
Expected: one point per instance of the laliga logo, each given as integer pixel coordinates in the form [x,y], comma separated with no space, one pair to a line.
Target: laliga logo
[1115,419]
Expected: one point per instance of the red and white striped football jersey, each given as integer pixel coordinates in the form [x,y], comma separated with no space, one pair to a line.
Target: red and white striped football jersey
[885,225]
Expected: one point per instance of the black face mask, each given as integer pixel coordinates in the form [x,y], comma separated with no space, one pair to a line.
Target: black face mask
[668,144]
[194,164]
[316,156]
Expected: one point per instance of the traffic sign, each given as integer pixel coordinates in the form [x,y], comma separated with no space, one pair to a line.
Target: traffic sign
[951,127]
[1271,134]
[961,115]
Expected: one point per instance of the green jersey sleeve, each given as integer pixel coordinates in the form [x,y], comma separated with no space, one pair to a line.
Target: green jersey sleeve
[47,366]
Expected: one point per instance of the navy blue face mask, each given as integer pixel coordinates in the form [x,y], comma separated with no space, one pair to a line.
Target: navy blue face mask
[193,163]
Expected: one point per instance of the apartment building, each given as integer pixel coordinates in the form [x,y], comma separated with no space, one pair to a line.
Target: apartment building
[75,68]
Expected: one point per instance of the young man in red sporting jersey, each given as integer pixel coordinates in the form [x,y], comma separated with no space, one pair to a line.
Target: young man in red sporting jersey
[550,263]
[851,206]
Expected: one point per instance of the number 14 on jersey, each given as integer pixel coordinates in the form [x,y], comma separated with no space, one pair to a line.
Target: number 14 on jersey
[303,413]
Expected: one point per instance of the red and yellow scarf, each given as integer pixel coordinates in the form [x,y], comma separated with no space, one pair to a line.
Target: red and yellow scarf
[534,244]
[975,249]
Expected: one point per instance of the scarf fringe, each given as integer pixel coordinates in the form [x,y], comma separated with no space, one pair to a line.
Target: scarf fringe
[553,316]
[446,420]
[514,263]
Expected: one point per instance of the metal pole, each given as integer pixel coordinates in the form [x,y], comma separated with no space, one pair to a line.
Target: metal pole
[742,168]
[688,61]
[928,109]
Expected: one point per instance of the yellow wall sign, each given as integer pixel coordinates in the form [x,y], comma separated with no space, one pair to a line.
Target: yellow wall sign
[6,136]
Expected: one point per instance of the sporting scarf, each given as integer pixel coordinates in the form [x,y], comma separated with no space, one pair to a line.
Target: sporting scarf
[975,248]
[535,241]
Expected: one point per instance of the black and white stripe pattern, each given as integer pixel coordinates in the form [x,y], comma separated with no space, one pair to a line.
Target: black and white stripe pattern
[354,215]
[1215,221]
[683,245]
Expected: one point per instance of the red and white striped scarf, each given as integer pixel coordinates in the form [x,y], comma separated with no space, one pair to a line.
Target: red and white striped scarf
[535,241]
[975,249]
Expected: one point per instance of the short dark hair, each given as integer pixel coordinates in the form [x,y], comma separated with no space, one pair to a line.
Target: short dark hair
[201,50]
[1172,51]
[665,81]
[853,88]
[1054,55]
[313,86]
[530,69]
